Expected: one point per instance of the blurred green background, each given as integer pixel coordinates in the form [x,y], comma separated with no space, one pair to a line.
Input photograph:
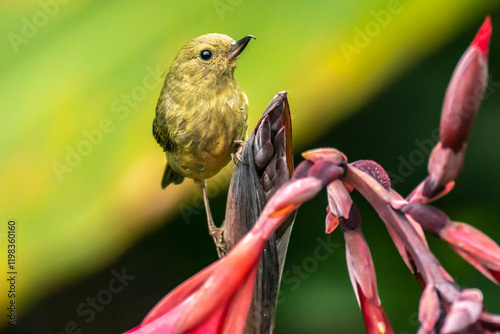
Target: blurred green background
[80,171]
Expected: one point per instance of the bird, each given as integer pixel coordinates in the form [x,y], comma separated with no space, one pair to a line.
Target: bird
[201,114]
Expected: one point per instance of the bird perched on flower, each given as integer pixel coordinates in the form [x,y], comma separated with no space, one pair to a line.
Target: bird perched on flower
[201,114]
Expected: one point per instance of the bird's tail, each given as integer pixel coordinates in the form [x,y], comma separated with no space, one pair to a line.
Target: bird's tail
[170,176]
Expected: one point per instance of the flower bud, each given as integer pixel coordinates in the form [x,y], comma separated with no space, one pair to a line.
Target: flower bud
[465,91]
[339,204]
[429,308]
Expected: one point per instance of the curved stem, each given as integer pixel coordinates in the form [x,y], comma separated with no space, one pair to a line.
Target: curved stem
[380,198]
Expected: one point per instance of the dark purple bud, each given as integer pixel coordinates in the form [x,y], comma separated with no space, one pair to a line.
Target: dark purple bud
[430,218]
[263,148]
[263,133]
[276,172]
[465,91]
[266,182]
[276,110]
[277,125]
[263,155]
[374,170]
[279,142]
[353,222]
[271,168]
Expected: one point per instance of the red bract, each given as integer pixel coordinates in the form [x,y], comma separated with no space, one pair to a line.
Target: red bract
[475,247]
[364,282]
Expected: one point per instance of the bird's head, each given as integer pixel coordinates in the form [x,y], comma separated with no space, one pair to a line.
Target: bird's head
[208,59]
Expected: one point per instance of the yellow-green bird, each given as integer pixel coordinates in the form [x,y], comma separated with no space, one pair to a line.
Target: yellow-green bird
[201,114]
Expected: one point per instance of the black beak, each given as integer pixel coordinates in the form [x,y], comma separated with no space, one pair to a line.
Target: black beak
[238,47]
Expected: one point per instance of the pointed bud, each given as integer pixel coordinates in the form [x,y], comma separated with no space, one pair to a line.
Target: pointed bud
[465,91]
[461,104]
[475,247]
[426,192]
[263,148]
[331,221]
[482,40]
[339,204]
[328,154]
[444,166]
[429,309]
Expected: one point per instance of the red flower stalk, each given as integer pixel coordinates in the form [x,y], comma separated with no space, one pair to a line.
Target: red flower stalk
[217,299]
[362,274]
[461,104]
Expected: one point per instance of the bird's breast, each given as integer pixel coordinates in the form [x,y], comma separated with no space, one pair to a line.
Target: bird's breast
[204,133]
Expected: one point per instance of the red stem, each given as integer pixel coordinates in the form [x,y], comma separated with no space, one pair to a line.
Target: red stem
[426,263]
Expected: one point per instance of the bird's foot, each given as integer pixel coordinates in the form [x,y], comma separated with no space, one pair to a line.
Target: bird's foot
[217,234]
[237,156]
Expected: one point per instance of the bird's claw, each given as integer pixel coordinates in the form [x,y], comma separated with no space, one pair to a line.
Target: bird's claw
[217,234]
[237,156]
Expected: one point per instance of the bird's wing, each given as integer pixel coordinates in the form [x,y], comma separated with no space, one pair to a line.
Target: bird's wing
[161,135]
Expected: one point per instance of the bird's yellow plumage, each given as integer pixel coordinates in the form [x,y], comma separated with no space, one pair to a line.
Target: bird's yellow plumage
[201,115]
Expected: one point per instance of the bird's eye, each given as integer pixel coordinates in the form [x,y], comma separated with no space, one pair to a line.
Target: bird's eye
[206,55]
